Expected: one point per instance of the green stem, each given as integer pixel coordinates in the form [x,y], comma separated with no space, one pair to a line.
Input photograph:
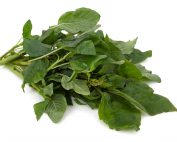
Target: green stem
[11,58]
[60,60]
[15,46]
[41,57]
[60,65]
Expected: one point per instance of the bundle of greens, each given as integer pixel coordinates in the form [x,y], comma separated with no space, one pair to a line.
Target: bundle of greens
[73,61]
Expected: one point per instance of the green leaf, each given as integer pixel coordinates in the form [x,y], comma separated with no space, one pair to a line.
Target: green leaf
[27,29]
[126,47]
[56,107]
[79,86]
[128,98]
[35,48]
[47,90]
[86,48]
[138,56]
[36,71]
[39,109]
[106,47]
[148,74]
[118,113]
[154,104]
[80,20]
[129,70]
[86,63]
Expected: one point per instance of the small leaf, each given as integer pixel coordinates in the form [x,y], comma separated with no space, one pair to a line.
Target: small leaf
[138,56]
[27,29]
[39,109]
[118,113]
[126,47]
[148,74]
[129,70]
[86,48]
[154,104]
[36,71]
[79,86]
[47,90]
[35,48]
[80,20]
[56,107]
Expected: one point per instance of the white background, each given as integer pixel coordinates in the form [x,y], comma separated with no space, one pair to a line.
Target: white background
[153,21]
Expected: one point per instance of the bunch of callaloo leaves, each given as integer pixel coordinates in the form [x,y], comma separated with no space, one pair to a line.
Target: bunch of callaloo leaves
[73,61]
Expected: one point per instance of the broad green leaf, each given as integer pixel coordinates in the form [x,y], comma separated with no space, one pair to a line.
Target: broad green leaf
[148,74]
[128,98]
[86,48]
[79,86]
[129,70]
[154,104]
[47,90]
[27,29]
[78,21]
[39,109]
[35,48]
[36,71]
[118,113]
[56,107]
[86,63]
[138,56]
[126,47]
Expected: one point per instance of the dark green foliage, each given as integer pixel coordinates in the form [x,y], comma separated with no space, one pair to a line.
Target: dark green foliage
[84,66]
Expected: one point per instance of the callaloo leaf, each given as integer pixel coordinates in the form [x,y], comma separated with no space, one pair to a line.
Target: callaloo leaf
[126,47]
[35,48]
[138,56]
[56,107]
[47,90]
[86,48]
[27,29]
[148,74]
[75,61]
[154,104]
[118,113]
[79,86]
[39,109]
[36,71]
[129,70]
[80,20]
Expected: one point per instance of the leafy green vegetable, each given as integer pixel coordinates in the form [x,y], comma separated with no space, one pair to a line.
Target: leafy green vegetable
[27,29]
[56,107]
[36,71]
[39,109]
[80,20]
[118,113]
[79,86]
[35,48]
[86,48]
[73,61]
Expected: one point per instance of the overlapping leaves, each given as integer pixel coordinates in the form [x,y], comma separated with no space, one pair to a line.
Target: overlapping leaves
[88,67]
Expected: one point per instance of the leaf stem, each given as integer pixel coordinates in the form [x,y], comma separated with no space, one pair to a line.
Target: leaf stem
[15,46]
[41,57]
[60,65]
[60,60]
[11,58]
